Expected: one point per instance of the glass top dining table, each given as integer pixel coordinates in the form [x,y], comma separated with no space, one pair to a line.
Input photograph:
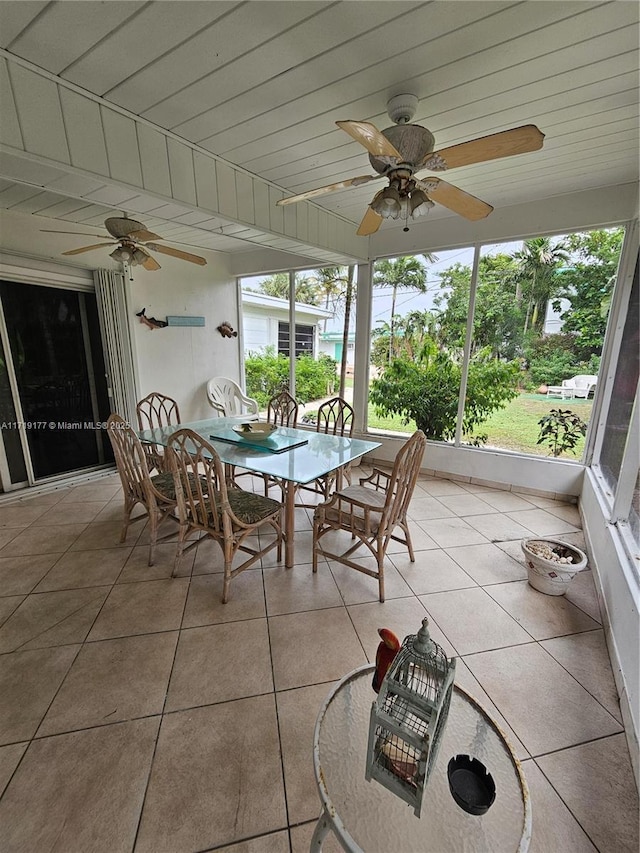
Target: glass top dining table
[318,455]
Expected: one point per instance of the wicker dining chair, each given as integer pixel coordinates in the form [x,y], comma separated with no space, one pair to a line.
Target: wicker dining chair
[156,494]
[282,410]
[156,410]
[208,506]
[372,511]
[335,417]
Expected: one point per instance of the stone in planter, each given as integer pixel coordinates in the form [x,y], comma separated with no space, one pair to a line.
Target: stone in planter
[551,564]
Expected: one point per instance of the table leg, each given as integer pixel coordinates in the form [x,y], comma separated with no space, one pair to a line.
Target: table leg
[320,832]
[289,522]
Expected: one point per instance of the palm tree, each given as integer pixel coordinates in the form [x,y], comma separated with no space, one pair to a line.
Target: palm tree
[408,273]
[337,285]
[538,259]
[419,330]
[331,283]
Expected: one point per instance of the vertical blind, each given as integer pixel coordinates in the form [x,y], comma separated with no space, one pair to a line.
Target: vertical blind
[112,308]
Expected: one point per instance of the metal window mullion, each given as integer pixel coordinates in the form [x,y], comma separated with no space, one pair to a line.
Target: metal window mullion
[612,345]
[240,338]
[361,366]
[86,339]
[629,467]
[17,403]
[292,333]
[464,374]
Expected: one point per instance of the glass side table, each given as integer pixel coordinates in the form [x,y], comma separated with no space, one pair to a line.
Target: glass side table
[366,817]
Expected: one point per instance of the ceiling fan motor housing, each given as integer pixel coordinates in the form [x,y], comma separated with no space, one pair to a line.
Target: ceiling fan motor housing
[413,143]
[120,226]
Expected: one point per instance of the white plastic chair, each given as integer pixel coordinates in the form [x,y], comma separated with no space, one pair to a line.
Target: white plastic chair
[228,399]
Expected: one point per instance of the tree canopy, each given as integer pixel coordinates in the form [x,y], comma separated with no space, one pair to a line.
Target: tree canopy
[588,285]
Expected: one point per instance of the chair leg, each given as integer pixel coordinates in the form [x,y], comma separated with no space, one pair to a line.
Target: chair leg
[279,532]
[314,546]
[179,549]
[228,560]
[153,522]
[381,574]
[405,527]
[227,582]
[128,508]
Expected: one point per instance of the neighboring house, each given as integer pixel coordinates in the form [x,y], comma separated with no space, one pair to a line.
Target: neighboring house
[265,323]
[331,343]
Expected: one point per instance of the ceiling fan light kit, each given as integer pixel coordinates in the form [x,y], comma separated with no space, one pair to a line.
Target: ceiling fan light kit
[122,254]
[132,244]
[399,152]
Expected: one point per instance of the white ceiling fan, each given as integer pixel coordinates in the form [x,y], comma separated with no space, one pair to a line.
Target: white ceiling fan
[133,242]
[399,152]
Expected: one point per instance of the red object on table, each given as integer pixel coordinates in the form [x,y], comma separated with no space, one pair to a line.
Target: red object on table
[387,650]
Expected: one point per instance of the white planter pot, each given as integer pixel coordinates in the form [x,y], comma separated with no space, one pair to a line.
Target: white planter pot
[550,576]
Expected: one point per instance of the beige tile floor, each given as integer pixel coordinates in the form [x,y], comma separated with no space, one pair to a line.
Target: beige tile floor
[139,713]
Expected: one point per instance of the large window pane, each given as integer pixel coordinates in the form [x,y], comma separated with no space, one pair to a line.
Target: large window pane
[545,302]
[624,391]
[325,299]
[416,345]
[541,308]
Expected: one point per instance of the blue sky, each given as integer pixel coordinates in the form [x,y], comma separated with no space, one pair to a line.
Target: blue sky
[411,300]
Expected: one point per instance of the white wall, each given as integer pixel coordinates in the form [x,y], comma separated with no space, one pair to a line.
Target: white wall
[178,360]
[619,595]
[257,332]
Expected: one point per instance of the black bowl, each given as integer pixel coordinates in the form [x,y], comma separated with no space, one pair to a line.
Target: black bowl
[472,787]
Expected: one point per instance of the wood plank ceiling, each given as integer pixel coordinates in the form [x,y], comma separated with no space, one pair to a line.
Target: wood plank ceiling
[261,85]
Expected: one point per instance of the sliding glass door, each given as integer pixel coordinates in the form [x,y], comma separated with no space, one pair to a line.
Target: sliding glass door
[55,374]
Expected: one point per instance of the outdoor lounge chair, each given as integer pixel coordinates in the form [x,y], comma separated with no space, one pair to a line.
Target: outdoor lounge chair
[578,386]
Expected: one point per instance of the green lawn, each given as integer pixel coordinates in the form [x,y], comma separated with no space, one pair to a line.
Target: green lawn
[513,428]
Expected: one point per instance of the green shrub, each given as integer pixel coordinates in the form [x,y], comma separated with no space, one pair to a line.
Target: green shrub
[427,393]
[267,374]
[592,366]
[553,358]
[552,369]
[314,378]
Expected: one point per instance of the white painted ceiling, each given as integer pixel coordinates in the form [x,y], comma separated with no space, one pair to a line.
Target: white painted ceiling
[261,84]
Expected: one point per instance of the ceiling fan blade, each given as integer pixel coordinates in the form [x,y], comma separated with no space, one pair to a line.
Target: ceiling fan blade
[76,233]
[144,235]
[176,253]
[340,185]
[151,264]
[519,140]
[367,134]
[455,199]
[88,248]
[371,221]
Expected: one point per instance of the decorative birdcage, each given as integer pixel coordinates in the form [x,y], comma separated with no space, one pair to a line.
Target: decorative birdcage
[408,717]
